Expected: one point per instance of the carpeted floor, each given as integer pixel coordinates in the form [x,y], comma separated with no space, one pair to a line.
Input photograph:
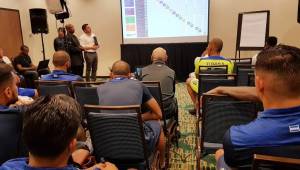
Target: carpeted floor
[184,157]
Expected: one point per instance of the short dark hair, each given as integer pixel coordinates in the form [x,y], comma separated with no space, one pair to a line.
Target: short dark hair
[49,125]
[22,48]
[5,74]
[61,29]
[271,41]
[83,27]
[284,62]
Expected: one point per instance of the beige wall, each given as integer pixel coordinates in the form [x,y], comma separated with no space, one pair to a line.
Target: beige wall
[104,17]
[283,21]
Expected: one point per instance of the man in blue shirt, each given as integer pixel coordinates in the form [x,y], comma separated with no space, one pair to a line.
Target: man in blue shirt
[276,131]
[61,61]
[49,131]
[121,90]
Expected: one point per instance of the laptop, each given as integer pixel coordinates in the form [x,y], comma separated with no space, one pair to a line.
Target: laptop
[43,65]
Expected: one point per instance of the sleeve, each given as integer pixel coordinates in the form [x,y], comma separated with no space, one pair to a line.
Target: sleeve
[230,67]
[146,94]
[26,92]
[197,63]
[236,157]
[73,47]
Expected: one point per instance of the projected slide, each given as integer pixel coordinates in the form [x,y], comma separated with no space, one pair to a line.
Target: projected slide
[164,21]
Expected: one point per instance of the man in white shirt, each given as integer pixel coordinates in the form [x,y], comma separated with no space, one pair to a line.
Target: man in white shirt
[90,44]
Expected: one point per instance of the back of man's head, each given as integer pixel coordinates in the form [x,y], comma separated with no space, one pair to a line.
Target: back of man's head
[50,124]
[24,48]
[6,76]
[271,41]
[216,44]
[120,68]
[60,58]
[159,54]
[280,64]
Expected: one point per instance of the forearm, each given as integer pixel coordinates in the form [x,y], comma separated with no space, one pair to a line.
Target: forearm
[150,116]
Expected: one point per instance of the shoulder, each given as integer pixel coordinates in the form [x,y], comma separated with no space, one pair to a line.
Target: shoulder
[16,164]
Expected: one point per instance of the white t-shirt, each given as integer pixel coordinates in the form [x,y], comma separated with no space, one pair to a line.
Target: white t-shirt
[87,41]
[6,60]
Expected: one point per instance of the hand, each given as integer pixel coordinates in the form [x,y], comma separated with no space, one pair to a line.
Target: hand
[105,166]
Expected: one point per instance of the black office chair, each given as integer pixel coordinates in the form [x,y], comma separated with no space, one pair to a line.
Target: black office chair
[169,125]
[10,135]
[86,92]
[54,87]
[242,74]
[118,137]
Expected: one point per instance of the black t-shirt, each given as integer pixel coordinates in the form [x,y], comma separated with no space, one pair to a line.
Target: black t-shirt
[23,60]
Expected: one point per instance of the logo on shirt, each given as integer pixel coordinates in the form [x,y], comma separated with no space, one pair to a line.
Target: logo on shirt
[294,128]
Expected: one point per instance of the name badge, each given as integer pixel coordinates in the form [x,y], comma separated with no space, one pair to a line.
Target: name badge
[294,128]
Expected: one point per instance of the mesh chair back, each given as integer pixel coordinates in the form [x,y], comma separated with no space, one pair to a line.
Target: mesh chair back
[219,114]
[10,135]
[208,82]
[54,87]
[251,79]
[118,138]
[242,74]
[86,92]
[221,69]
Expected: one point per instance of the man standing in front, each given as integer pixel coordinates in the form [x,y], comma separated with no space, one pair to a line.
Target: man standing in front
[75,51]
[89,42]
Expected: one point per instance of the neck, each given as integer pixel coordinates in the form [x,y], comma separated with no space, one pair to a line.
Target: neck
[58,162]
[213,53]
[158,61]
[61,68]
[280,102]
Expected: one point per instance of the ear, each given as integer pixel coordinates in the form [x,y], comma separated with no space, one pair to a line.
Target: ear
[111,75]
[7,92]
[259,84]
[72,145]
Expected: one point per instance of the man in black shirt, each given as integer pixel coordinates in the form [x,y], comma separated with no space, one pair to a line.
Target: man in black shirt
[75,51]
[24,66]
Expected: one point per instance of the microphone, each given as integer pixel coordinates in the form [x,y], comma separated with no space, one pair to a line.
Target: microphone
[95,40]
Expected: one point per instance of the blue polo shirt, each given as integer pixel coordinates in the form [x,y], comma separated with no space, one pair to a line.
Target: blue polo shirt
[273,129]
[61,75]
[26,92]
[22,164]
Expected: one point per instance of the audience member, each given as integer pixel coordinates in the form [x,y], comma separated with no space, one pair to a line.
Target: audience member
[89,42]
[74,50]
[24,66]
[59,42]
[159,71]
[4,59]
[61,62]
[270,42]
[121,90]
[277,85]
[49,131]
[213,59]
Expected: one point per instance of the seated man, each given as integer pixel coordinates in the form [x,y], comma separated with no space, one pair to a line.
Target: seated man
[61,61]
[24,66]
[121,90]
[159,71]
[213,59]
[270,42]
[276,129]
[49,132]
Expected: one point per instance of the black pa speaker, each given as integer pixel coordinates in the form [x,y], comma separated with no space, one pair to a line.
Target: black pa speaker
[38,20]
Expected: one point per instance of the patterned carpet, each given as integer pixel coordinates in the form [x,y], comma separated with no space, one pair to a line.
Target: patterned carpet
[184,157]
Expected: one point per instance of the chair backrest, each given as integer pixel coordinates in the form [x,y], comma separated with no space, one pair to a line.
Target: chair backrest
[251,79]
[117,137]
[220,69]
[10,135]
[211,81]
[86,92]
[54,87]
[242,74]
[219,113]
[241,60]
[274,162]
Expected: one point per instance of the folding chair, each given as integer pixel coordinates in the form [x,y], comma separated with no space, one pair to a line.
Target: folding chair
[219,113]
[118,137]
[10,135]
[274,162]
[169,125]
[242,74]
[86,92]
[54,87]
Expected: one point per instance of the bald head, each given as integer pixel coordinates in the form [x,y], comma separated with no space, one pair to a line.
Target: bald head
[120,68]
[159,54]
[60,58]
[216,44]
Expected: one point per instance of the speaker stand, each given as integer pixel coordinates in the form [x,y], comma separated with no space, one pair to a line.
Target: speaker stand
[42,37]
